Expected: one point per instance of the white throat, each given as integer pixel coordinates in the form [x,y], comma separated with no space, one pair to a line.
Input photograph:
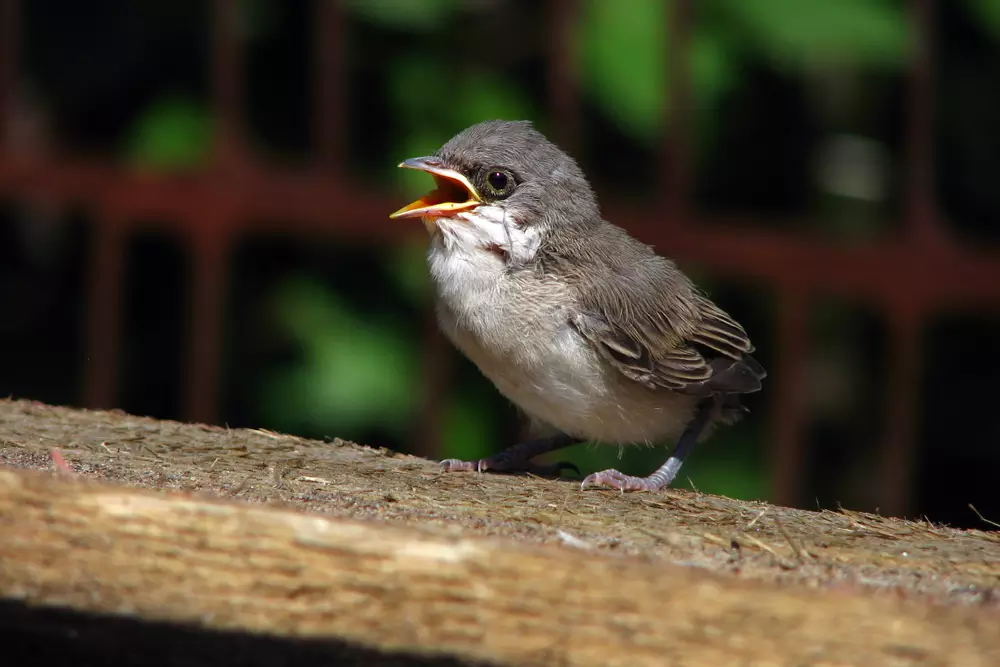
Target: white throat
[470,258]
[490,229]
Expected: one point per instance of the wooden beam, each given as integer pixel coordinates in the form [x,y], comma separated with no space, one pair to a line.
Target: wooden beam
[228,566]
[262,544]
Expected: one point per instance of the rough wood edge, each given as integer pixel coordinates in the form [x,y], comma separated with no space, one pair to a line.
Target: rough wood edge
[100,548]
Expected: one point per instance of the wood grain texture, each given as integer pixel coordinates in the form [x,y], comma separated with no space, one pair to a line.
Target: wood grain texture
[169,557]
[260,543]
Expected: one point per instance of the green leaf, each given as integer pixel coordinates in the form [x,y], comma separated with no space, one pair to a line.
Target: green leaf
[624,62]
[354,373]
[174,133]
[405,14]
[795,33]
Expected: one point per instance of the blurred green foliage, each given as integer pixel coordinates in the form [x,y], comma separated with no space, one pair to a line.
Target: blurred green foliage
[987,11]
[791,33]
[624,46]
[353,371]
[173,133]
[420,16]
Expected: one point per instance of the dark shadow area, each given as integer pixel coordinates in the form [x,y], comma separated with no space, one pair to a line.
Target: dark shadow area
[156,324]
[43,292]
[47,636]
[959,431]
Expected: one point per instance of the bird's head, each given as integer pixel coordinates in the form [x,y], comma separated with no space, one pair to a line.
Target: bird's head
[501,187]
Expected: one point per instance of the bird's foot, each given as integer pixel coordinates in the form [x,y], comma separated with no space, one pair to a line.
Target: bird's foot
[518,459]
[622,482]
[499,463]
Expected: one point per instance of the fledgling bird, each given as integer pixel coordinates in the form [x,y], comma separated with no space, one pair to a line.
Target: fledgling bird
[589,332]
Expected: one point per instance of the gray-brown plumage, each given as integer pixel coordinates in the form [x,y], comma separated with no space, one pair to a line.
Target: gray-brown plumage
[590,332]
[647,319]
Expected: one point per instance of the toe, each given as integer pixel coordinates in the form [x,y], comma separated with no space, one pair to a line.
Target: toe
[457,465]
[604,478]
[615,480]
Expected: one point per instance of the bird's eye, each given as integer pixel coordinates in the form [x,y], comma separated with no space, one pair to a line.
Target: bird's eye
[499,183]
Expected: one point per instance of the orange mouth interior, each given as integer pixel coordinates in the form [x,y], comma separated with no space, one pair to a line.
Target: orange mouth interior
[450,196]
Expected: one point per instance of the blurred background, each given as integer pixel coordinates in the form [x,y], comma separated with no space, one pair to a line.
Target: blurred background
[193,202]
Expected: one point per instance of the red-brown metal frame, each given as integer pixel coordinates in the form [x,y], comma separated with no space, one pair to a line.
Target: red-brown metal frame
[907,277]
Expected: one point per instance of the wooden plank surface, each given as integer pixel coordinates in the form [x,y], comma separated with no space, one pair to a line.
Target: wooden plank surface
[511,570]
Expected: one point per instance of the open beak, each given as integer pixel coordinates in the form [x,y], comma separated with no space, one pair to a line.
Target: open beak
[453,194]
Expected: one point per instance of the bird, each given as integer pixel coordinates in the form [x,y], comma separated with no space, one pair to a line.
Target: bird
[588,331]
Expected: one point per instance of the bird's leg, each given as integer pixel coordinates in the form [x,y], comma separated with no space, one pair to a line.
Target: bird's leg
[665,475]
[518,458]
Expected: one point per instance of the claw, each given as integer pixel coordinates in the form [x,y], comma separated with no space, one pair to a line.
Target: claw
[620,481]
[458,465]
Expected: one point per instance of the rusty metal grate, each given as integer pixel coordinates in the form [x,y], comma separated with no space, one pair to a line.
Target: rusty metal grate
[907,276]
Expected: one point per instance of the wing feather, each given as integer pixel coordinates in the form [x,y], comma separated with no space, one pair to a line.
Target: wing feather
[647,319]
